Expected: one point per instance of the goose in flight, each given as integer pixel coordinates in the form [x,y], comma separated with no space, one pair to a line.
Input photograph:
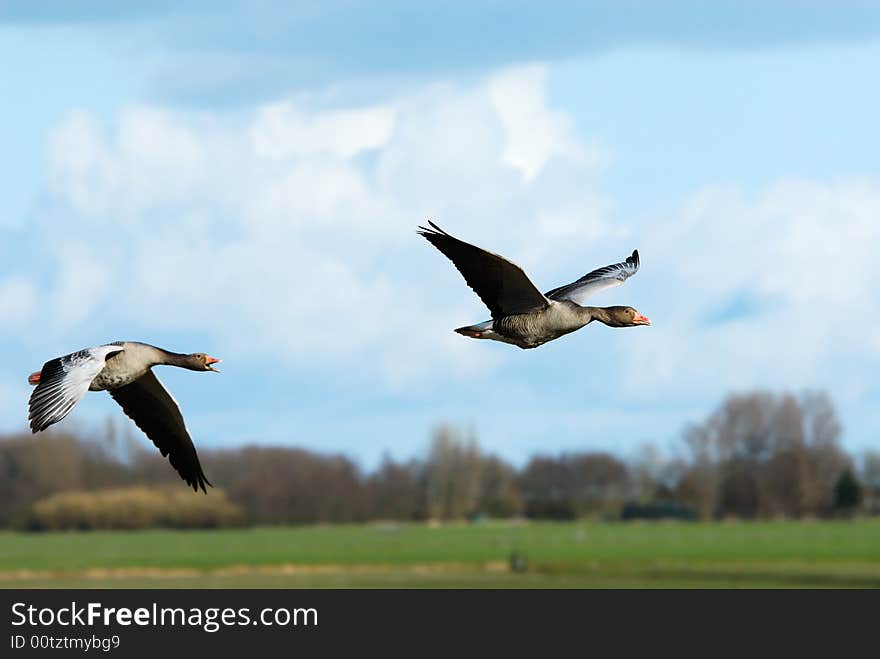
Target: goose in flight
[124,369]
[521,314]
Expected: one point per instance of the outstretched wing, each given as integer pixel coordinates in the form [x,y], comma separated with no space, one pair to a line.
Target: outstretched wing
[63,382]
[157,414]
[501,284]
[597,280]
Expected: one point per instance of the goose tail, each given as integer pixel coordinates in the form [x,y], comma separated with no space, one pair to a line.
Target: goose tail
[478,331]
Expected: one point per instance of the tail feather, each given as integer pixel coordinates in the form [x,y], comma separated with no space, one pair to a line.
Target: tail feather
[477,331]
[469,331]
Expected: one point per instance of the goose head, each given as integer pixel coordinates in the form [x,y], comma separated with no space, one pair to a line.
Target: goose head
[625,317]
[199,361]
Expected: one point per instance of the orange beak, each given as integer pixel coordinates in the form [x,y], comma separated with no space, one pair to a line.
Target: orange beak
[639,319]
[34,378]
[212,360]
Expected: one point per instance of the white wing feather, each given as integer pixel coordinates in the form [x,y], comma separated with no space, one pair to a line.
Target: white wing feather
[63,382]
[597,280]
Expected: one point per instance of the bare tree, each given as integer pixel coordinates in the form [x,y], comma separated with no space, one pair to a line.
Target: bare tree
[396,492]
[452,475]
[647,473]
[870,477]
[764,455]
[574,485]
[499,491]
[700,484]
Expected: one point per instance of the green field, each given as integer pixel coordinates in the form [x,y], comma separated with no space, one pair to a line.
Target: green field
[580,555]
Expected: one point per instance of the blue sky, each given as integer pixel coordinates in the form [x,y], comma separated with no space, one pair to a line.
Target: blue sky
[245,179]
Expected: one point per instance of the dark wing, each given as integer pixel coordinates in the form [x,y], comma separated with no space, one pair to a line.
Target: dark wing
[63,382]
[598,280]
[501,284]
[155,412]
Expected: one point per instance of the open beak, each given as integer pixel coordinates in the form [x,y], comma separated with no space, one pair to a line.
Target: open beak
[212,360]
[639,319]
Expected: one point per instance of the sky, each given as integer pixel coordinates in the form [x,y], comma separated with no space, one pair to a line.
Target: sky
[245,179]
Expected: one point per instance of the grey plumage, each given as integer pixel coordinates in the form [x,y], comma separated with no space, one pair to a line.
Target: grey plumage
[521,315]
[597,280]
[124,369]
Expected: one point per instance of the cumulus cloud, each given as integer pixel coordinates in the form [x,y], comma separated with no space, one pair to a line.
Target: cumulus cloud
[284,236]
[281,130]
[288,233]
[534,134]
[797,258]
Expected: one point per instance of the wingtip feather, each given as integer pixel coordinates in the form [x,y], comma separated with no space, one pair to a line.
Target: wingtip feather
[433,230]
[198,482]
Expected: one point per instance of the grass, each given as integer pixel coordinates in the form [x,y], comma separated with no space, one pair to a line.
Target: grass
[754,554]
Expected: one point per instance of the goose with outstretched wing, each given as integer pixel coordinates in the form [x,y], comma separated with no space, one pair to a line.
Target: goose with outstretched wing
[521,314]
[124,369]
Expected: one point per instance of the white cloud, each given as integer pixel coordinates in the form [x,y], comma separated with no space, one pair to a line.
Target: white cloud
[534,134]
[778,290]
[281,130]
[271,234]
[277,237]
[82,283]
[150,160]
[285,237]
[807,241]
[82,174]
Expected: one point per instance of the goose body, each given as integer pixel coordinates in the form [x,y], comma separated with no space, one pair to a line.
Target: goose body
[521,314]
[124,369]
[530,330]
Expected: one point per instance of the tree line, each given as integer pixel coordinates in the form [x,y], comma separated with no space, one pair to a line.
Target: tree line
[758,455]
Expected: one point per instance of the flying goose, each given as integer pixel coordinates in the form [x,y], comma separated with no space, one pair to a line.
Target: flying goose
[521,315]
[124,369]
